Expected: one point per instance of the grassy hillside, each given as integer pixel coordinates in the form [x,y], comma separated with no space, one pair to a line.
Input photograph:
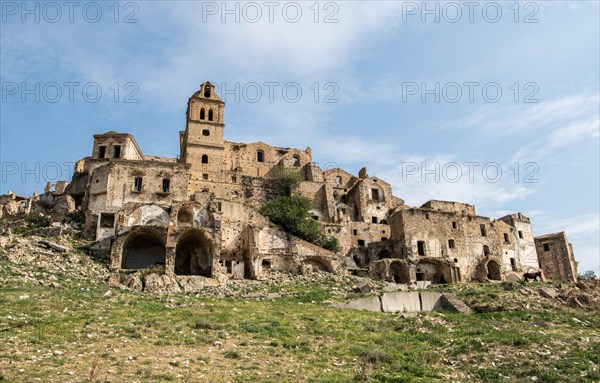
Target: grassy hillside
[59,325]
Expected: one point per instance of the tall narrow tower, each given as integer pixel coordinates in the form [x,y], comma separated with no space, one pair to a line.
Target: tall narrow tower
[201,144]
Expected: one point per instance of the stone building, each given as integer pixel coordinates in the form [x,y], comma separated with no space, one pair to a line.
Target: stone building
[197,214]
[556,257]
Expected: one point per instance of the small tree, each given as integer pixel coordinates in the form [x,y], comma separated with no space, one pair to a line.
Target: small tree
[589,275]
[286,181]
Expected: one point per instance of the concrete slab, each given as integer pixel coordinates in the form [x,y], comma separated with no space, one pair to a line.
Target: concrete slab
[394,302]
[431,301]
[369,304]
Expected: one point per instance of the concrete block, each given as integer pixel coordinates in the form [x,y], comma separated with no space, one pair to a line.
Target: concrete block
[423,284]
[431,301]
[400,301]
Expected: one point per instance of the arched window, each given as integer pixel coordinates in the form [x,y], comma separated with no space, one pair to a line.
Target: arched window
[338,181]
[210,115]
[202,114]
[206,132]
[296,160]
[207,91]
[204,159]
[260,156]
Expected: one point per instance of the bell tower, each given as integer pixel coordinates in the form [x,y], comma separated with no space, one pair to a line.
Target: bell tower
[202,143]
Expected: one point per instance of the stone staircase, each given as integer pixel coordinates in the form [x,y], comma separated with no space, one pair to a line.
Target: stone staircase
[453,303]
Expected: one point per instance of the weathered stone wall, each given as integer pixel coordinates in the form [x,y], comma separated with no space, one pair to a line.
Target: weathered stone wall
[556,257]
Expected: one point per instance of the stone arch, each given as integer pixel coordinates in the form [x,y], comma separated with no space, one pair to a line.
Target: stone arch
[204,159]
[493,271]
[149,215]
[193,254]
[399,272]
[318,264]
[185,216]
[434,271]
[143,248]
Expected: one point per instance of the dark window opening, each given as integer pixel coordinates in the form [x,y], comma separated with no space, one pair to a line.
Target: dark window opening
[451,243]
[202,114]
[355,232]
[454,225]
[266,264]
[166,185]
[520,234]
[426,216]
[107,220]
[486,250]
[204,159]
[421,247]
[483,231]
[234,179]
[219,206]
[260,156]
[361,242]
[375,194]
[117,151]
[506,238]
[210,115]
[513,264]
[383,239]
[296,160]
[207,91]
[205,177]
[206,132]
[374,219]
[101,151]
[455,260]
[137,184]
[546,247]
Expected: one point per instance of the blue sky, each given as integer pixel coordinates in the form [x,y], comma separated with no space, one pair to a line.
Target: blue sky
[375,60]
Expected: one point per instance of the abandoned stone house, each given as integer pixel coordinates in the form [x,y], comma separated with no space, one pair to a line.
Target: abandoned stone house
[197,214]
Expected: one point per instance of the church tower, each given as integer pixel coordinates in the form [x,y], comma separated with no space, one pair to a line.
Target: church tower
[202,143]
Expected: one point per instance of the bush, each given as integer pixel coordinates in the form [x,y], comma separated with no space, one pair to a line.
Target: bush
[293,215]
[589,275]
[35,220]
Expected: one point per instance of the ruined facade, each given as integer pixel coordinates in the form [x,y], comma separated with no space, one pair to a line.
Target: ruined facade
[556,257]
[197,214]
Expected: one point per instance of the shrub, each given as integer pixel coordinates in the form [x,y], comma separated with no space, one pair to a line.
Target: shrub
[35,220]
[293,215]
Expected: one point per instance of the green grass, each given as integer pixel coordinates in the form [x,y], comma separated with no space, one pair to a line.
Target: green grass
[301,337]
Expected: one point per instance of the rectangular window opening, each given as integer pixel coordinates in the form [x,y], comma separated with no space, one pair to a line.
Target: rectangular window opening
[137,184]
[107,220]
[101,151]
[117,151]
[166,185]
[421,247]
[451,243]
[506,238]
[483,231]
[520,234]
[546,247]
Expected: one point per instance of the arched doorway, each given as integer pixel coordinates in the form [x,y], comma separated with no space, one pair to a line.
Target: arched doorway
[434,271]
[319,265]
[193,255]
[143,249]
[384,254]
[399,272]
[493,271]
